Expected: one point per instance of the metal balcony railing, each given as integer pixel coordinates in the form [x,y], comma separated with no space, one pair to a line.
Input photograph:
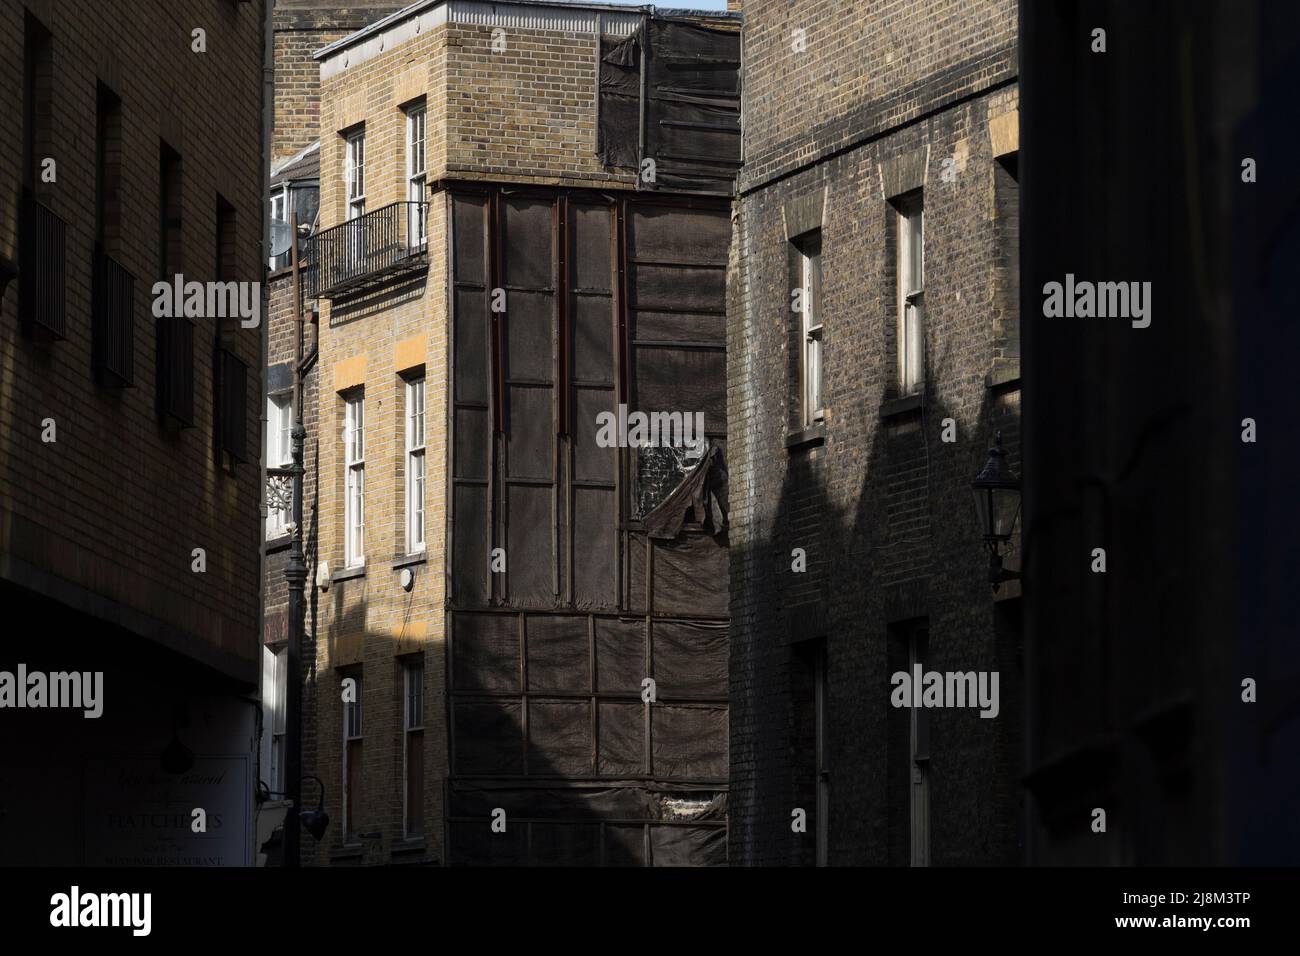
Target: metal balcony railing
[43,254]
[113,320]
[369,249]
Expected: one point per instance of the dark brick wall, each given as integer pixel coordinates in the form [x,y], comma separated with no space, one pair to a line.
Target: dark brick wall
[879,502]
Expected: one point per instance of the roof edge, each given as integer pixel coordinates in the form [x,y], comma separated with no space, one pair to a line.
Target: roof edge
[592,5]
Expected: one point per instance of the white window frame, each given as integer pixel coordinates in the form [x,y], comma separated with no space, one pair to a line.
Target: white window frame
[280,204]
[918,759]
[911,293]
[279,714]
[412,721]
[354,173]
[812,399]
[416,228]
[415,465]
[279,454]
[353,729]
[354,480]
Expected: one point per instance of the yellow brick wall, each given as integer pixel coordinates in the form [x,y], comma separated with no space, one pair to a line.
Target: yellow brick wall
[526,113]
[369,340]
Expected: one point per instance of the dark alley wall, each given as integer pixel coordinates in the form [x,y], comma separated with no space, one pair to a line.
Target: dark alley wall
[1134,436]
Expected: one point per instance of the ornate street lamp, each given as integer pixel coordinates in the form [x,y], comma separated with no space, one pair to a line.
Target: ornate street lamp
[997,505]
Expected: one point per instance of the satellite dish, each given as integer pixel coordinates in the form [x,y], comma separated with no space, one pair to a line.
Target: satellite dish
[281,237]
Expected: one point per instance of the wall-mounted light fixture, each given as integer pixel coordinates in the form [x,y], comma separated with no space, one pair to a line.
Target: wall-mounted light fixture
[997,505]
[313,821]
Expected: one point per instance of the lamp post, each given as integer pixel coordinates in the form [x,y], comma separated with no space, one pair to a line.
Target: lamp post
[295,572]
[295,575]
[997,504]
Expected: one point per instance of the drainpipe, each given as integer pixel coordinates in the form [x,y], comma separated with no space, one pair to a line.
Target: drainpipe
[268,115]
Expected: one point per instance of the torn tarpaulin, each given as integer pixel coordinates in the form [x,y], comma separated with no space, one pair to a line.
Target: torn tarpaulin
[703,492]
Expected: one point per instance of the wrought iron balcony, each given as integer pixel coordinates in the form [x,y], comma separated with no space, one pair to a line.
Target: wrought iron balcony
[370,249]
[113,303]
[279,500]
[43,251]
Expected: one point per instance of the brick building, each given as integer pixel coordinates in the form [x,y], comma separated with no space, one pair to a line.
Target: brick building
[521,228]
[300,28]
[129,484]
[873,338]
[291,343]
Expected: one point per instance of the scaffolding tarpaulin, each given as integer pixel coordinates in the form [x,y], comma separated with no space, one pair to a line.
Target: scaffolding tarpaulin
[609,300]
[689,122]
[693,108]
[620,101]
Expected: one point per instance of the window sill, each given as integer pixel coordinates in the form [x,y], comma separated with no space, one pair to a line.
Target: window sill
[409,560]
[409,845]
[346,852]
[279,543]
[898,407]
[347,574]
[809,437]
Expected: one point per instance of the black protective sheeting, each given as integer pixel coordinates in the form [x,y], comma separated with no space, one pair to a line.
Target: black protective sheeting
[528,268]
[620,101]
[595,564]
[564,844]
[690,659]
[587,826]
[471,394]
[689,742]
[693,113]
[546,661]
[559,649]
[692,109]
[559,737]
[486,652]
[620,656]
[678,233]
[488,736]
[622,739]
[615,801]
[690,575]
[688,846]
[477,844]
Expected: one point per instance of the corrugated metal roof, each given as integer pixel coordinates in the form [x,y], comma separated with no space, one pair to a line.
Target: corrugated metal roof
[551,14]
